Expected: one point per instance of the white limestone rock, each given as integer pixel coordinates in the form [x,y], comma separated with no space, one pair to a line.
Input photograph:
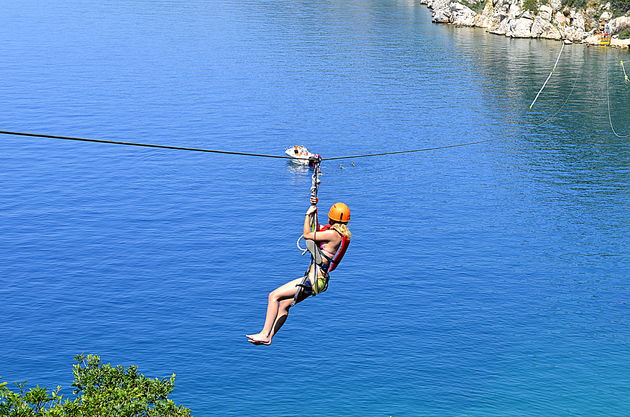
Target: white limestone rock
[572,33]
[502,28]
[504,8]
[542,28]
[514,10]
[592,39]
[605,16]
[551,33]
[578,20]
[560,19]
[552,20]
[590,22]
[429,3]
[462,15]
[521,28]
[555,4]
[487,18]
[538,26]
[545,12]
[528,15]
[620,43]
[619,24]
[441,11]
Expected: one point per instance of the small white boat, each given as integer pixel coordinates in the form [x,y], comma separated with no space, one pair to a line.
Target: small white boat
[301,155]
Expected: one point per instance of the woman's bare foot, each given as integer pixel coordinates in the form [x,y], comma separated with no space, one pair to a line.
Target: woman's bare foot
[259,339]
[265,342]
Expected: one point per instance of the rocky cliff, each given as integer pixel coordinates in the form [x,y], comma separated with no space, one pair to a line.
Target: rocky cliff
[548,19]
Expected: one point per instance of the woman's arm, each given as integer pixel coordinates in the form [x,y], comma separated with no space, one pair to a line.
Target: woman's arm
[307,233]
[325,236]
[310,214]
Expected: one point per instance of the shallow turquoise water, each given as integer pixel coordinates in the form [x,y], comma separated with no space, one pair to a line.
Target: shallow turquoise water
[488,280]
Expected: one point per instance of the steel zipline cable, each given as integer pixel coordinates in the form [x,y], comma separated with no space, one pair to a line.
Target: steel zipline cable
[435,148]
[146,145]
[181,148]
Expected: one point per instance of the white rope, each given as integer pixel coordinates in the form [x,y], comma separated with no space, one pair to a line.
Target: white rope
[625,76]
[548,78]
[303,250]
[608,101]
[565,101]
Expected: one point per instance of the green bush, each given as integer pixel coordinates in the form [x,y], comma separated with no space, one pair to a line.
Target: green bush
[531,5]
[100,390]
[577,4]
[478,7]
[474,5]
[625,34]
[619,7]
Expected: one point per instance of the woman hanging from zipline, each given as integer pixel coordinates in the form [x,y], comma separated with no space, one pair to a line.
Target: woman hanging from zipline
[327,244]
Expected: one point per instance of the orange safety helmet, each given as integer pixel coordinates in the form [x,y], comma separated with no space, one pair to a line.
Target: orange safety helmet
[339,212]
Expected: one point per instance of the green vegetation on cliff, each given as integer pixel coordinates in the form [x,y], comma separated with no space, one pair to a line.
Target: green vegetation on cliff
[531,5]
[100,390]
[476,6]
[578,4]
[620,7]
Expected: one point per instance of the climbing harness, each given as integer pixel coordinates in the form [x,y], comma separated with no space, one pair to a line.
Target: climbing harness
[320,283]
[333,261]
[549,77]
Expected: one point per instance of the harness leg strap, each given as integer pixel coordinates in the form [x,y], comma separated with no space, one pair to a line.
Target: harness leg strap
[302,287]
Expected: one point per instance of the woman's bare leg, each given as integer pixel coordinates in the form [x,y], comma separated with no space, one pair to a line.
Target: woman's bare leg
[284,293]
[281,317]
[283,313]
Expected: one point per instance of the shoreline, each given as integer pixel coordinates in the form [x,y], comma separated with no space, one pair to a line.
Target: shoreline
[527,19]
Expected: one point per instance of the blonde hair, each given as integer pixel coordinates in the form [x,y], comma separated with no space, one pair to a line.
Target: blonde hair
[343,229]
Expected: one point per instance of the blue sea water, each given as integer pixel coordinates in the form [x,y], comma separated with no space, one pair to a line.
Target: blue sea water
[486,280]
